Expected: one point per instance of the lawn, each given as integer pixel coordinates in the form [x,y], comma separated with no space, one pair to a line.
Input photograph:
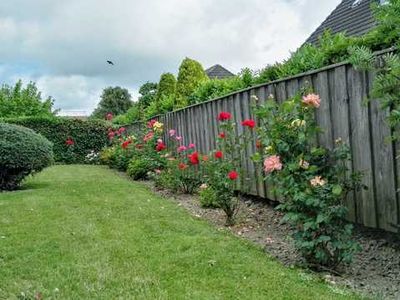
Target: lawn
[85,232]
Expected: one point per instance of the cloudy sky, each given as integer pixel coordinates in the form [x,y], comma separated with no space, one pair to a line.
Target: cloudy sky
[64,45]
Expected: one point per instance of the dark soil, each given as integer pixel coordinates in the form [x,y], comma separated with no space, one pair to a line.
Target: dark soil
[374,272]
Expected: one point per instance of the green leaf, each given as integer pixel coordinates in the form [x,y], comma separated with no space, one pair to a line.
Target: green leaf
[337,190]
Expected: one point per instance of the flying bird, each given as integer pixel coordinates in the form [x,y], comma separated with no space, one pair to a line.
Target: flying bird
[110,62]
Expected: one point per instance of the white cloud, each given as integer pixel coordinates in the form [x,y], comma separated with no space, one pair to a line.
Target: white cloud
[63,45]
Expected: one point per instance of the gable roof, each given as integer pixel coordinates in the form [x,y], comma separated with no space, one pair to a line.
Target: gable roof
[218,72]
[354,17]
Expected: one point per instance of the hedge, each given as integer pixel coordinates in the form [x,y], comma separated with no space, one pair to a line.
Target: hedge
[73,139]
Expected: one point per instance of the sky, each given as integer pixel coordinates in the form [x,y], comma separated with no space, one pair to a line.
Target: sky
[63,45]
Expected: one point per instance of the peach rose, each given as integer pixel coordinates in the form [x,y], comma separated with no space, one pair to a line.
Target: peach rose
[312,100]
[272,163]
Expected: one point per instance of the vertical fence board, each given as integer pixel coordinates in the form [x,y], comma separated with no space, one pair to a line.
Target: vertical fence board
[383,212]
[360,141]
[323,114]
[341,122]
[261,187]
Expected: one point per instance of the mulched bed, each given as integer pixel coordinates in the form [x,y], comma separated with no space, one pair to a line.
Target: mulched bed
[375,270]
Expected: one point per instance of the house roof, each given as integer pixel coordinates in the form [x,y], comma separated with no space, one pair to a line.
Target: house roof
[354,17]
[218,72]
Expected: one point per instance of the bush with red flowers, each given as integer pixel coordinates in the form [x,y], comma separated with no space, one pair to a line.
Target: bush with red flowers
[224,170]
[73,139]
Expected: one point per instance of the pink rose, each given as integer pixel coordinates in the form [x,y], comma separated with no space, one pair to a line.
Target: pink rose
[312,100]
[272,163]
[191,146]
[178,138]
[182,148]
[172,132]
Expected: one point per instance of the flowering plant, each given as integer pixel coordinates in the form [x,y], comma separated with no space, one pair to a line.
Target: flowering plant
[184,166]
[224,168]
[313,181]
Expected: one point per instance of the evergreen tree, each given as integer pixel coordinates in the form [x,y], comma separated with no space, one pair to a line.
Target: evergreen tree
[191,75]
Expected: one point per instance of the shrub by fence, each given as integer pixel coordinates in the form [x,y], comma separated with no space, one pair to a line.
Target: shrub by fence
[343,114]
[73,139]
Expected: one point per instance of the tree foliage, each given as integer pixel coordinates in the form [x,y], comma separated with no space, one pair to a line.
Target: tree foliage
[114,100]
[148,92]
[20,101]
[191,75]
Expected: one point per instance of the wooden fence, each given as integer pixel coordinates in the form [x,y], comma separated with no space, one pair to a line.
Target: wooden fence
[344,113]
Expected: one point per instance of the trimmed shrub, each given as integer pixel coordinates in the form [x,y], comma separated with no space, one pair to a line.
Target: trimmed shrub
[73,139]
[22,152]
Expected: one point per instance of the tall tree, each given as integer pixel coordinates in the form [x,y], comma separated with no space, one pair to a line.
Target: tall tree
[20,101]
[148,92]
[165,93]
[114,100]
[191,75]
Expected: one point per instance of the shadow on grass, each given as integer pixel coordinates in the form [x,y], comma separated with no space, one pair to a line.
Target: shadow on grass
[30,186]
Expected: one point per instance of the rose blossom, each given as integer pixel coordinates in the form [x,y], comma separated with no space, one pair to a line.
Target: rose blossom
[69,142]
[249,123]
[233,175]
[182,166]
[272,163]
[224,116]
[194,158]
[317,180]
[181,148]
[219,154]
[191,146]
[312,100]
[172,132]
[222,135]
[304,164]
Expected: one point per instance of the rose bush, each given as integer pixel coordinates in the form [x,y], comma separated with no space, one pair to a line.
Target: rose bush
[313,181]
[224,168]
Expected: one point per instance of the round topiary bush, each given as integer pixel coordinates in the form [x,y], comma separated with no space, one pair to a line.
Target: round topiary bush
[22,152]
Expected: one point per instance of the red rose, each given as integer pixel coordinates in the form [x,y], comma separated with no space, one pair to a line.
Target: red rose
[219,154]
[249,123]
[194,158]
[233,175]
[222,135]
[223,116]
[160,147]
[121,130]
[125,144]
[69,142]
[182,166]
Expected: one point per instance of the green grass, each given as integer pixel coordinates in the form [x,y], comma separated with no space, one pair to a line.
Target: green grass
[84,232]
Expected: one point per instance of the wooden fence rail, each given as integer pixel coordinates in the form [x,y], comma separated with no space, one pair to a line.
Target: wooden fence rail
[343,113]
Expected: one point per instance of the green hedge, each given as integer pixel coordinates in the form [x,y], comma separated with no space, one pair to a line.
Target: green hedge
[87,135]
